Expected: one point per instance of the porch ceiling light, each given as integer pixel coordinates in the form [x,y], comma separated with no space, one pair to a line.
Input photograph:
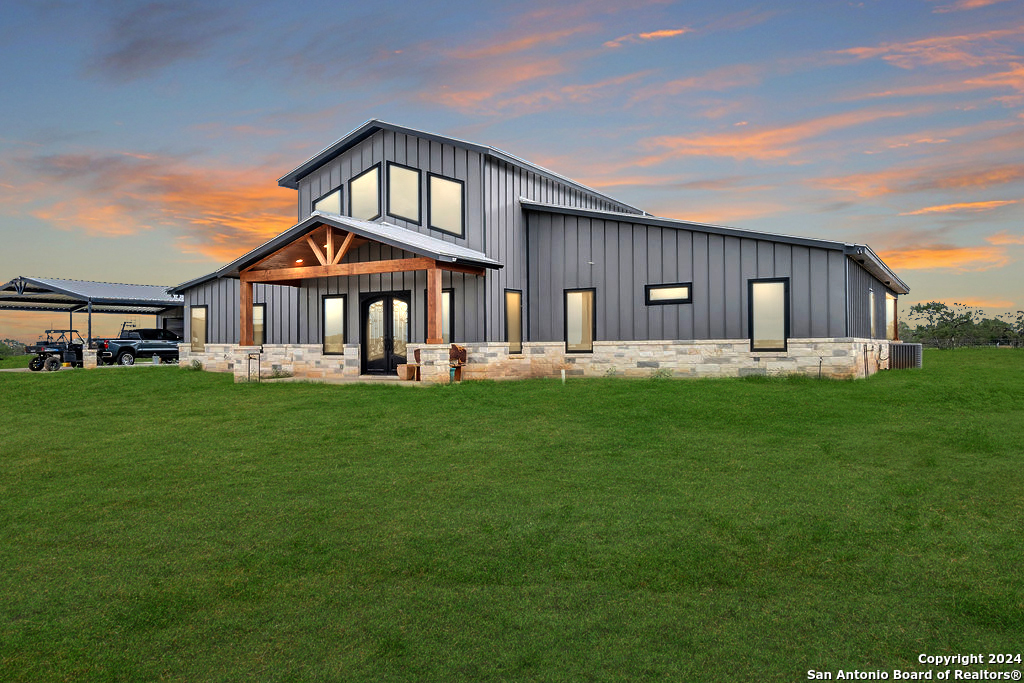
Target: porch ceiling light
[298,260]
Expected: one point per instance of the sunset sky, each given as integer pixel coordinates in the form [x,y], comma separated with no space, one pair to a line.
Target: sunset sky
[141,142]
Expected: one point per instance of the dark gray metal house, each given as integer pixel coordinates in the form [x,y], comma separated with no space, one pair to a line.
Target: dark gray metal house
[408,239]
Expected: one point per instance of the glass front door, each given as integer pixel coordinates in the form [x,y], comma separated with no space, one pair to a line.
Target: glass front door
[385,323]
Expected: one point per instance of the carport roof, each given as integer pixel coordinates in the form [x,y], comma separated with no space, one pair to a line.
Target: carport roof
[56,294]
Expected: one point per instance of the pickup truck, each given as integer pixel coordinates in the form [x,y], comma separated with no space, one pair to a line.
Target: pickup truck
[138,343]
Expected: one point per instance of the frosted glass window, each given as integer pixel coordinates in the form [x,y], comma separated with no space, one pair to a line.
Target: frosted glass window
[334,324]
[446,204]
[579,320]
[258,314]
[197,328]
[890,316]
[871,314]
[769,313]
[514,320]
[364,195]
[404,193]
[447,322]
[668,294]
[329,203]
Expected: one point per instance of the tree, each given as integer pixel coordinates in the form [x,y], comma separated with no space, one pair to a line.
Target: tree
[944,326]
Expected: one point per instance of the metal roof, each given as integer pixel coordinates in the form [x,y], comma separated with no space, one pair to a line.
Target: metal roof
[56,294]
[862,253]
[386,233]
[292,178]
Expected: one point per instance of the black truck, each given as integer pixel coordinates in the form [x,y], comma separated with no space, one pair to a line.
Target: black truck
[59,347]
[138,343]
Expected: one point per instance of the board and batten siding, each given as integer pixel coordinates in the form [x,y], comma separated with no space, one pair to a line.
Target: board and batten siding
[221,297]
[619,258]
[506,234]
[861,284]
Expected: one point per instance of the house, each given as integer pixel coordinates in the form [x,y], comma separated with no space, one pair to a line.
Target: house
[408,240]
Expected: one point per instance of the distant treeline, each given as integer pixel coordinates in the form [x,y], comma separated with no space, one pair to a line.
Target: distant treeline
[11,347]
[947,327]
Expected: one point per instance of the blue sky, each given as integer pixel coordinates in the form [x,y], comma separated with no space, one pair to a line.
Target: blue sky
[141,141]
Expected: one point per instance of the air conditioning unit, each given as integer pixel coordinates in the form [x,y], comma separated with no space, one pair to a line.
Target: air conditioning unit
[903,356]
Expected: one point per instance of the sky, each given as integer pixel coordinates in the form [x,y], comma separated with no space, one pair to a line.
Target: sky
[141,142]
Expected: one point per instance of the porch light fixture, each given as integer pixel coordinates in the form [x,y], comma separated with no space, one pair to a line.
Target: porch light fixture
[298,260]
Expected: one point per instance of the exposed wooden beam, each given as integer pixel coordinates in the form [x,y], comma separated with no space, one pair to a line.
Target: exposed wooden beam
[344,248]
[316,251]
[330,244]
[434,332]
[339,269]
[245,313]
[272,255]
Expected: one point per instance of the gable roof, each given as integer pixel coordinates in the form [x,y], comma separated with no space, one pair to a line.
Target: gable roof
[292,178]
[56,294]
[385,233]
[861,253]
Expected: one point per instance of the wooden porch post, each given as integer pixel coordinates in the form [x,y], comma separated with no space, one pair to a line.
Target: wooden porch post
[434,335]
[245,312]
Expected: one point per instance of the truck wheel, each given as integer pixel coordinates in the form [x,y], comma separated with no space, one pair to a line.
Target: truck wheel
[51,363]
[126,358]
[36,364]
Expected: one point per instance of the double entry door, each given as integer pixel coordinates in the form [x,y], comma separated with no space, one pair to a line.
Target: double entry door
[384,318]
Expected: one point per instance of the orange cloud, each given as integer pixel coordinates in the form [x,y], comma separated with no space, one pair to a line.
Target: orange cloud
[521,44]
[716,80]
[946,257]
[642,37]
[758,143]
[959,52]
[960,208]
[961,5]
[1005,238]
[979,302]
[923,178]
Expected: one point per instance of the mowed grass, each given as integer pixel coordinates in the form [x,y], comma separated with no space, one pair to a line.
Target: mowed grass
[16,361]
[164,524]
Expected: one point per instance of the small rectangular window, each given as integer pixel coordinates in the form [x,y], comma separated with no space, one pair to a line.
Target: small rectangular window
[447,317]
[891,333]
[678,293]
[580,322]
[364,195]
[514,320]
[768,305]
[446,205]
[197,328]
[259,312]
[404,192]
[871,314]
[329,203]
[334,324]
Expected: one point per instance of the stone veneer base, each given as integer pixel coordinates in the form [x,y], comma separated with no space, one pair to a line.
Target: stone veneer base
[837,358]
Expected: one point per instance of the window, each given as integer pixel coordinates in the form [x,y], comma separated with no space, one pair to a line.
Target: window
[259,312]
[678,293]
[334,324]
[891,332]
[447,319]
[445,205]
[871,314]
[364,195]
[404,192]
[329,203]
[580,324]
[197,328]
[514,320]
[768,304]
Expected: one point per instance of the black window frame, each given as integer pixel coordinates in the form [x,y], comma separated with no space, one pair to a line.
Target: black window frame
[451,314]
[380,192]
[565,318]
[507,340]
[323,323]
[419,193]
[264,307]
[430,206]
[787,311]
[665,302]
[341,200]
[206,326]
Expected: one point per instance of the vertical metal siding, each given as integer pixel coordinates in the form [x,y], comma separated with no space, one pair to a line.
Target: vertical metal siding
[861,282]
[221,297]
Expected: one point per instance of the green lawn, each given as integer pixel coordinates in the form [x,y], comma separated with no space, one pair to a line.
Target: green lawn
[166,524]
[16,361]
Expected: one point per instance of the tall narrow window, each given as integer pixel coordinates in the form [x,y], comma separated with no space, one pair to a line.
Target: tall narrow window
[891,332]
[768,320]
[514,320]
[329,203]
[580,323]
[445,205]
[447,316]
[871,314]
[259,337]
[197,328]
[404,192]
[364,195]
[334,324]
